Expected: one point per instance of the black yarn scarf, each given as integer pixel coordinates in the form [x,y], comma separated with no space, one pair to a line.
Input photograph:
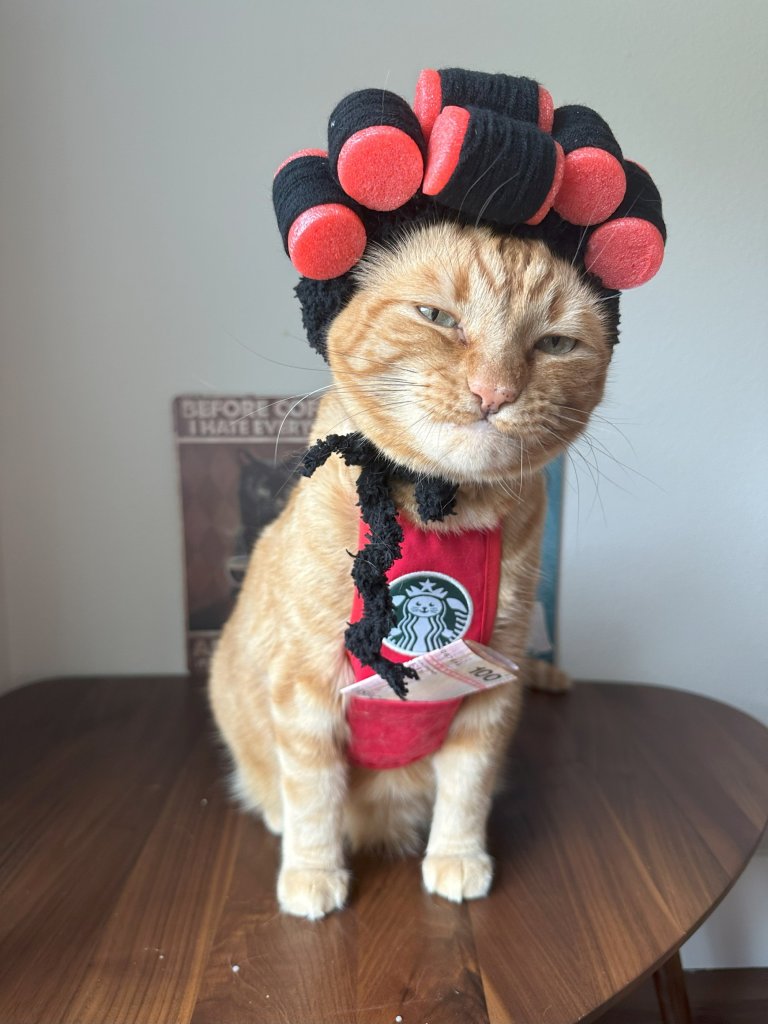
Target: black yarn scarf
[435,499]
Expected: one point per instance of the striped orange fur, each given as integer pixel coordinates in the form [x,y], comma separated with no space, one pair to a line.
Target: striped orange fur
[406,383]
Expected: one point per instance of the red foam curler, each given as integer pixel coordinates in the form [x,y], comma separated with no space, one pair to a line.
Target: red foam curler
[624,253]
[445,145]
[514,96]
[486,164]
[321,227]
[376,149]
[546,110]
[326,241]
[380,167]
[297,154]
[593,186]
[557,181]
[428,101]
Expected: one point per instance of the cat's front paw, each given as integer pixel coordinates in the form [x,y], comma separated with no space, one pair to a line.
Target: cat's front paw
[311,892]
[458,878]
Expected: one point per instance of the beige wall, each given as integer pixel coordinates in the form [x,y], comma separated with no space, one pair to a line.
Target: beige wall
[5,660]
[138,250]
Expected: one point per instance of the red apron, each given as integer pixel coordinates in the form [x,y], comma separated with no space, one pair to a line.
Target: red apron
[445,587]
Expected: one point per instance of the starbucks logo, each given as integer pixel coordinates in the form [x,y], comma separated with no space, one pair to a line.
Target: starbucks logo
[432,610]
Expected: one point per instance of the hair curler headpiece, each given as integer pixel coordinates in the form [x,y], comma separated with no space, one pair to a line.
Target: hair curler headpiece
[478,148]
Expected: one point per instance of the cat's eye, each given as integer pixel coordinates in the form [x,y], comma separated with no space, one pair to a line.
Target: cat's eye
[437,316]
[556,345]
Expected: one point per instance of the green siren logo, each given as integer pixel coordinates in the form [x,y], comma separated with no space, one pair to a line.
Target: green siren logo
[432,610]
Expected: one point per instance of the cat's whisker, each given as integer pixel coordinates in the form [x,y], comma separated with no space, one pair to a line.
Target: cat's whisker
[530,464]
[408,428]
[382,395]
[204,382]
[575,484]
[489,198]
[269,359]
[520,478]
[432,364]
[290,479]
[627,469]
[578,486]
[566,453]
[587,226]
[593,468]
[478,179]
[378,387]
[594,415]
[380,362]
[295,405]
[504,487]
[595,482]
[562,423]
[584,434]
[593,441]
[634,202]
[314,369]
[279,401]
[596,479]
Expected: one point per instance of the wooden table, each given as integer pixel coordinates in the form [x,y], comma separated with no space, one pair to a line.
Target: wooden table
[132,892]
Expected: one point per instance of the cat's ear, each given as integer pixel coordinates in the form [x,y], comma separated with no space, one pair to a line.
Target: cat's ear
[246,459]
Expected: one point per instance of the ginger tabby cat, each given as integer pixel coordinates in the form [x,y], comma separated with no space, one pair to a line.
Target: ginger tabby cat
[463,353]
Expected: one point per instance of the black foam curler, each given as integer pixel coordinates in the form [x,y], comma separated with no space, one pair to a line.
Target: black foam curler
[491,166]
[593,179]
[321,227]
[376,148]
[515,96]
[628,249]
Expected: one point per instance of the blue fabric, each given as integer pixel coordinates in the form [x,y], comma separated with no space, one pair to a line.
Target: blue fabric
[550,554]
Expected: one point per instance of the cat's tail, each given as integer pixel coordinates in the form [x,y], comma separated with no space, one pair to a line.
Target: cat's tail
[543,675]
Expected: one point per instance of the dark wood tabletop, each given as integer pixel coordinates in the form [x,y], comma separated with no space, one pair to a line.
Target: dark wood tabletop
[131,891]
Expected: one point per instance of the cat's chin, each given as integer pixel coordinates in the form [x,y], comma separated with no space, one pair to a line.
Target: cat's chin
[478,453]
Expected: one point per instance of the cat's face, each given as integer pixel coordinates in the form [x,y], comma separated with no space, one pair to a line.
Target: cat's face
[470,355]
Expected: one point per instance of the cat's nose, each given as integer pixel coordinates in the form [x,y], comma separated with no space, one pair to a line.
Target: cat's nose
[491,396]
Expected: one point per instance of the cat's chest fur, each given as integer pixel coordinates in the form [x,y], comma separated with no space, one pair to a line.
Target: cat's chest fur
[306,553]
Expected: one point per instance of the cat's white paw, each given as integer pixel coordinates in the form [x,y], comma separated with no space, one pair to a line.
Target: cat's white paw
[311,892]
[458,878]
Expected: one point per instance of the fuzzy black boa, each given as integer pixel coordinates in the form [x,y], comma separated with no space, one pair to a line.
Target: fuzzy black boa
[435,499]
